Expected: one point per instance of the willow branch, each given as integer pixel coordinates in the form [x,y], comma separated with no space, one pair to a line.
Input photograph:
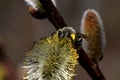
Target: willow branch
[53,15]
[56,19]
[92,69]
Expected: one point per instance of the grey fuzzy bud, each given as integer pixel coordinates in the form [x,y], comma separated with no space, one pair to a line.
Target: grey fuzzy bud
[36,4]
[92,27]
[36,9]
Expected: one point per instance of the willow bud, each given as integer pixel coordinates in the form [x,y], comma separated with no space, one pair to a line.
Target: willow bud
[92,27]
[36,9]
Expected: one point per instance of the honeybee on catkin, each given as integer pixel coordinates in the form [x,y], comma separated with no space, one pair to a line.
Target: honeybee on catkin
[92,27]
[53,57]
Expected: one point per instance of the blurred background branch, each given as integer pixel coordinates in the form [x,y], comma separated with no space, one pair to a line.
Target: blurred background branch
[7,71]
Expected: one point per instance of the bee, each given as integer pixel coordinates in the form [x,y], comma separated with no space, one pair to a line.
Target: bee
[75,37]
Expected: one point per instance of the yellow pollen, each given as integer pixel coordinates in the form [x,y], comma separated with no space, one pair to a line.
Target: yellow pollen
[49,41]
[73,36]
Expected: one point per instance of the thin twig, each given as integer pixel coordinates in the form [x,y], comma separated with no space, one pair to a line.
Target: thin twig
[56,19]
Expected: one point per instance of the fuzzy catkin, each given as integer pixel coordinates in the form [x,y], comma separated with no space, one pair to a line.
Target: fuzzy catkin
[51,58]
[92,27]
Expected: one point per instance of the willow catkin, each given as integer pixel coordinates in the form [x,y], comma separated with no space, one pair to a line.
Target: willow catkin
[51,58]
[92,27]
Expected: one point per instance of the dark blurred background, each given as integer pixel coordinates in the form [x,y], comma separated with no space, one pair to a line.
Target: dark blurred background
[19,29]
